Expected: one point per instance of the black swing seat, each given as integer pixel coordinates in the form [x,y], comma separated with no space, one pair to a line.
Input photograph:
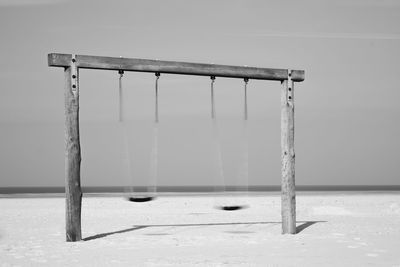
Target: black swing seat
[140,199]
[232,208]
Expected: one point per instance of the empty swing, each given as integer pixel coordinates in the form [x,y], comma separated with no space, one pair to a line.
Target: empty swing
[244,170]
[152,187]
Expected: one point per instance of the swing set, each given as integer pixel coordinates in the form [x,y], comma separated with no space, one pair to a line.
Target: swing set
[72,63]
[151,189]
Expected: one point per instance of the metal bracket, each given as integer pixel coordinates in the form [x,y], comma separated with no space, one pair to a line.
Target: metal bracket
[74,76]
[290,88]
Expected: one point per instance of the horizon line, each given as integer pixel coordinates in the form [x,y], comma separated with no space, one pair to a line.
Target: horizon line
[195,189]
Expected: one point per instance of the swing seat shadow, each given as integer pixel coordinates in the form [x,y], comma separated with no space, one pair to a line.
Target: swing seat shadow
[300,228]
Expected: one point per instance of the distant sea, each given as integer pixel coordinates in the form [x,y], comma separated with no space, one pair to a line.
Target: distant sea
[201,189]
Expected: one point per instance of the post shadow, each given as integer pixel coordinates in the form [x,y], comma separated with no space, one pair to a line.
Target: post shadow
[304,225]
[113,233]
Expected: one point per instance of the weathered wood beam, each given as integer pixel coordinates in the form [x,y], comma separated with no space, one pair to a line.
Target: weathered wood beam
[73,192]
[288,194]
[173,67]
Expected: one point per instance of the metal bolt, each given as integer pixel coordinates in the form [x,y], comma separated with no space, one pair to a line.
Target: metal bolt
[73,60]
[73,86]
[73,76]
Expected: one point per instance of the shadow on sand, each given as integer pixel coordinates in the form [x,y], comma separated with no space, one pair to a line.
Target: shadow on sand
[305,225]
[113,233]
[301,227]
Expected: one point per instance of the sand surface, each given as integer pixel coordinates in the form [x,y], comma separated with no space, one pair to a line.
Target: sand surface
[186,230]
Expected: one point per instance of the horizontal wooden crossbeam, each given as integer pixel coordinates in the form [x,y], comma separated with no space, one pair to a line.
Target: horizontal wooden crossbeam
[173,67]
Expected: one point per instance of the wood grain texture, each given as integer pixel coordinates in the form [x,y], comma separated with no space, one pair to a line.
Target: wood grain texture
[172,67]
[288,195]
[73,193]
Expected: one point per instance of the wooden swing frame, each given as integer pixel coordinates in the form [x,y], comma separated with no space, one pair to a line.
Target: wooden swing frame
[72,63]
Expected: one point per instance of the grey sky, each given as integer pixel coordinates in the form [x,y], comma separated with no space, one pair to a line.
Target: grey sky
[346,110]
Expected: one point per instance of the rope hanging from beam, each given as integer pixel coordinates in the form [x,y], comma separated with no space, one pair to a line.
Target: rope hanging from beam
[217,141]
[152,188]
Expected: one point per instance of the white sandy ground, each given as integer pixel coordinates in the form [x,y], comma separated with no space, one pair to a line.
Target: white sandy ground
[186,230]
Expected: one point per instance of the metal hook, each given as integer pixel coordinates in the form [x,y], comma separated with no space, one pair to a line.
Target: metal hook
[121,73]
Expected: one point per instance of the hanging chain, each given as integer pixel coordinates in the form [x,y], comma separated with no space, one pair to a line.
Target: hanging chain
[245,140]
[121,111]
[212,98]
[156,102]
[246,81]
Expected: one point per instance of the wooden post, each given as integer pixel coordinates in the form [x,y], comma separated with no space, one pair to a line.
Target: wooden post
[73,193]
[288,194]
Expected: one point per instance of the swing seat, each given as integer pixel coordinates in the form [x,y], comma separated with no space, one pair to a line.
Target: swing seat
[232,208]
[140,199]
